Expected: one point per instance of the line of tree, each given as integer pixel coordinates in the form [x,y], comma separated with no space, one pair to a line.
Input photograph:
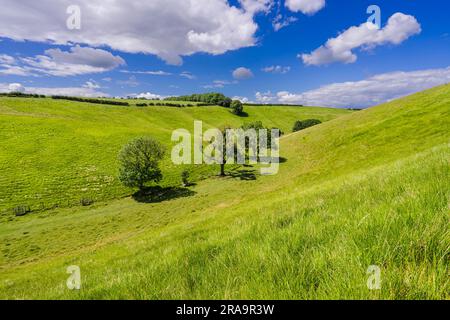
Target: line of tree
[212,98]
[92,100]
[169,104]
[273,105]
[22,95]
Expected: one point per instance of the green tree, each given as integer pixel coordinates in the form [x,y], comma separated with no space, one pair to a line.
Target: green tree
[226,103]
[302,125]
[139,162]
[236,107]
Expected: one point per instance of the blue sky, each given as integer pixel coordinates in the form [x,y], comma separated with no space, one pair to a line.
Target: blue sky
[274,68]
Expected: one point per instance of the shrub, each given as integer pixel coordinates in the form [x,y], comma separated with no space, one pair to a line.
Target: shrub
[139,162]
[21,210]
[236,107]
[302,125]
[85,202]
[226,103]
[185,175]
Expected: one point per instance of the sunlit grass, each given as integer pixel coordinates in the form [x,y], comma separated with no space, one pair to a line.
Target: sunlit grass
[368,188]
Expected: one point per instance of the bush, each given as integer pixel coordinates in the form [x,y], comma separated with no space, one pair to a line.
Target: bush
[21,210]
[185,175]
[236,107]
[226,103]
[302,125]
[139,162]
[85,202]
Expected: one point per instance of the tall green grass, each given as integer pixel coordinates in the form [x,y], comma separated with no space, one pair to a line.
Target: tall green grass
[316,244]
[367,188]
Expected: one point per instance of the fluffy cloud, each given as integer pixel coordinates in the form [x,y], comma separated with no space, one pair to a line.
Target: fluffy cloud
[16,87]
[169,29]
[77,61]
[366,36]
[148,95]
[276,69]
[254,6]
[305,6]
[369,92]
[242,73]
[67,91]
[264,97]
[242,99]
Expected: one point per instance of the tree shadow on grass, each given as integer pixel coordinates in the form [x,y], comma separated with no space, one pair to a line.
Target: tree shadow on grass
[243,174]
[159,194]
[243,114]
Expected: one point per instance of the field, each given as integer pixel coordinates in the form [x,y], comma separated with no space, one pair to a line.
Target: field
[55,152]
[364,188]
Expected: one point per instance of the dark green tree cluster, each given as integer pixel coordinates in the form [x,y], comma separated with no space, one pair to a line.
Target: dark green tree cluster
[212,98]
[274,105]
[21,95]
[165,104]
[302,125]
[92,100]
[237,108]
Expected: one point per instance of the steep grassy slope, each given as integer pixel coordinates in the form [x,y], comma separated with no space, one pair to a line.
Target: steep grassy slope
[53,153]
[369,188]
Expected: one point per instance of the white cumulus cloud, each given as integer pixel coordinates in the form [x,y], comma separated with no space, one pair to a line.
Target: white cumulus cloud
[56,62]
[65,91]
[169,29]
[148,96]
[372,91]
[16,87]
[305,6]
[77,61]
[366,36]
[242,73]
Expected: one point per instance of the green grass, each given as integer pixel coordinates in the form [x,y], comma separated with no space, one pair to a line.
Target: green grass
[367,188]
[55,152]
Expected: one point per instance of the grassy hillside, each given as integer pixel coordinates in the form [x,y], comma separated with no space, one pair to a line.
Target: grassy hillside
[368,188]
[55,152]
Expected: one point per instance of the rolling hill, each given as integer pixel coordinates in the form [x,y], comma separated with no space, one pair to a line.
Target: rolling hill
[365,188]
[56,152]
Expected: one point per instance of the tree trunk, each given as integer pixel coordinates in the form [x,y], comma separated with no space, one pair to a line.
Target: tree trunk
[222,170]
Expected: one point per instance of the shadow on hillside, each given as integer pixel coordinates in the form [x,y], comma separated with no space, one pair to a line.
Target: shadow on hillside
[243,115]
[273,160]
[243,174]
[159,194]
